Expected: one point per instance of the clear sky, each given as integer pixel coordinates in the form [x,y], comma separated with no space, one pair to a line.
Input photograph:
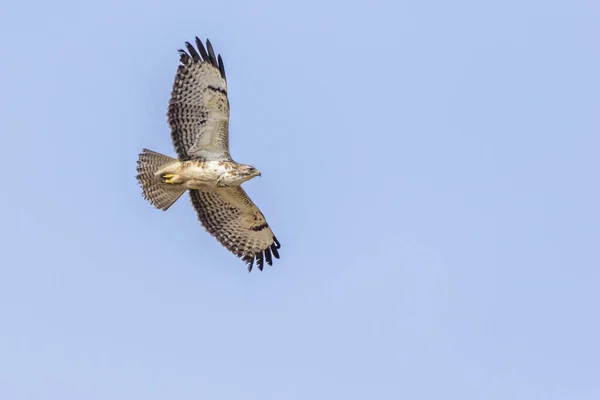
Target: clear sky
[430,168]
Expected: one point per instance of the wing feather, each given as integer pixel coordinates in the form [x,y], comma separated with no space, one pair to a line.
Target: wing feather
[211,53]
[237,223]
[268,256]
[221,67]
[193,52]
[198,112]
[201,49]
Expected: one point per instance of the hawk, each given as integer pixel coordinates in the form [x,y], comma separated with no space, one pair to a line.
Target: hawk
[198,116]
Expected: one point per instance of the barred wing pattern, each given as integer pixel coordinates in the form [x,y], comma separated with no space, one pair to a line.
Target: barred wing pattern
[236,222]
[198,111]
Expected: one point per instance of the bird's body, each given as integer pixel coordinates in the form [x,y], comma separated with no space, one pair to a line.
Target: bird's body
[196,174]
[198,115]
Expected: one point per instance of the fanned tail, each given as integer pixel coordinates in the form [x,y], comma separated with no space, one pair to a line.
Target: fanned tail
[159,194]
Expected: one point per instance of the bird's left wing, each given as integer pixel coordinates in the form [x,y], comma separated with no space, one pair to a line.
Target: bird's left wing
[198,112]
[236,222]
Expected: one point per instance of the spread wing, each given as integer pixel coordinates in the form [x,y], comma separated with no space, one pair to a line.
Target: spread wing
[198,112]
[230,216]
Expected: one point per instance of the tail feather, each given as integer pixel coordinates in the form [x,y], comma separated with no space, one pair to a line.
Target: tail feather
[159,194]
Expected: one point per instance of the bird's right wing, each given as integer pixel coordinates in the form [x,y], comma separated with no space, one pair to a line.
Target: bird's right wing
[198,112]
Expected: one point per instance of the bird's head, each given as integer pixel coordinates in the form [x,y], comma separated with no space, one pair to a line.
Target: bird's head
[247,172]
[240,174]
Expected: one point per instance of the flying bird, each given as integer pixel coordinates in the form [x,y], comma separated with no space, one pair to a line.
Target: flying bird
[198,116]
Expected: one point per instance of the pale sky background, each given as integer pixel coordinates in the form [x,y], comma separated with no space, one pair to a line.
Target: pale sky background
[430,168]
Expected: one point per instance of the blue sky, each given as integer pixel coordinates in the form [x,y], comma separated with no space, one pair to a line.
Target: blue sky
[430,168]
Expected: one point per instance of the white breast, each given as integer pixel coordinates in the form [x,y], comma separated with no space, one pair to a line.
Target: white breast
[205,174]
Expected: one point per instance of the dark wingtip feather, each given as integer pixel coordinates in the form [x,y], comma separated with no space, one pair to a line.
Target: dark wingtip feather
[268,256]
[221,67]
[259,261]
[249,260]
[277,244]
[274,250]
[201,49]
[183,56]
[211,53]
[193,52]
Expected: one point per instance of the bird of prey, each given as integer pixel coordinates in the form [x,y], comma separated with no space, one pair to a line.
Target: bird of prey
[198,116]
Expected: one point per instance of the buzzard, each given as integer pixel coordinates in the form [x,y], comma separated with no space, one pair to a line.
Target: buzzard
[198,116]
